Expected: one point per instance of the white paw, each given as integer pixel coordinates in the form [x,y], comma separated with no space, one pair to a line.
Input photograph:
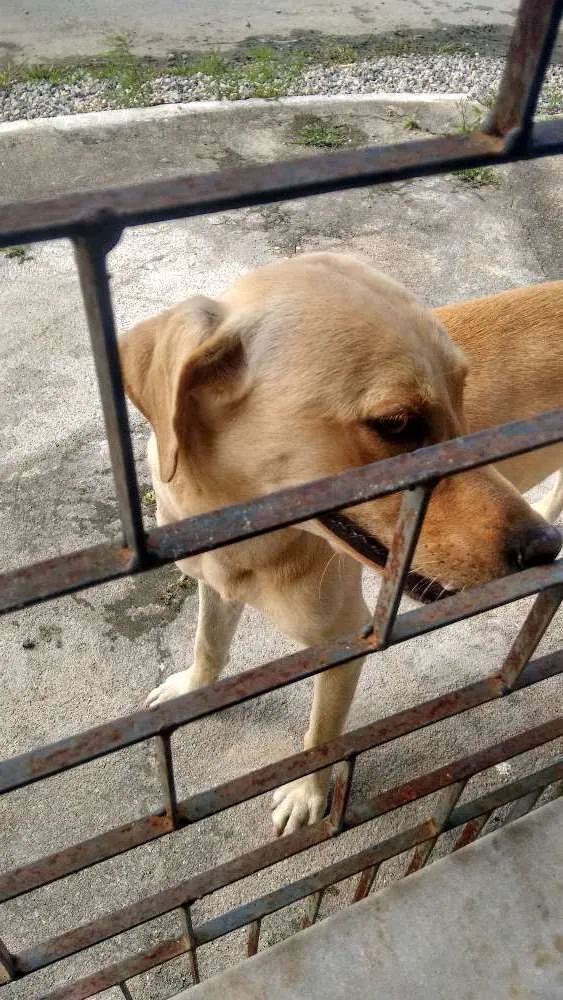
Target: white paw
[299,803]
[173,687]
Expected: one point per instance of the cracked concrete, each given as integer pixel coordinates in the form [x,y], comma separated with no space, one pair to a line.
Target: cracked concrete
[72,663]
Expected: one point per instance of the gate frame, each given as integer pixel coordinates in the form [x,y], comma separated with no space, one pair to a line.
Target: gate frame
[95,222]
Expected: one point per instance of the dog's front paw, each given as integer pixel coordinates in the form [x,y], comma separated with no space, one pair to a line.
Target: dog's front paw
[299,803]
[172,687]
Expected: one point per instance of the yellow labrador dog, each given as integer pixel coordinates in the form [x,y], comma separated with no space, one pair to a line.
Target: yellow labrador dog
[308,367]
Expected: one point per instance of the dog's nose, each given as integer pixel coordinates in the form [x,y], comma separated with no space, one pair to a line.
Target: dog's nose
[534,546]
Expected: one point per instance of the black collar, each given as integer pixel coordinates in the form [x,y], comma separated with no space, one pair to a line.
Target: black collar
[416,586]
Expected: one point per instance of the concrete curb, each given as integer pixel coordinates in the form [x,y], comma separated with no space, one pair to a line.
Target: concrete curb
[127,116]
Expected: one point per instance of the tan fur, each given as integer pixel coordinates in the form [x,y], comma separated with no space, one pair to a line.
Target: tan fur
[272,386]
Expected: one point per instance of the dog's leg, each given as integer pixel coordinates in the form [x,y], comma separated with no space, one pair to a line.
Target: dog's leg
[216,625]
[551,505]
[312,611]
[303,801]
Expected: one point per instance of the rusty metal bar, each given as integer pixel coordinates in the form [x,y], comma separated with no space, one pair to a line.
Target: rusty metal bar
[456,772]
[471,831]
[365,883]
[90,254]
[537,621]
[523,647]
[83,855]
[341,794]
[401,552]
[170,949]
[47,952]
[115,975]
[206,532]
[338,806]
[487,803]
[107,845]
[201,194]
[165,766]
[523,805]
[183,894]
[132,729]
[311,884]
[192,950]
[253,938]
[442,811]
[531,45]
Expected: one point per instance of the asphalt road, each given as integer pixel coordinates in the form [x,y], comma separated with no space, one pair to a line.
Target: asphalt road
[32,29]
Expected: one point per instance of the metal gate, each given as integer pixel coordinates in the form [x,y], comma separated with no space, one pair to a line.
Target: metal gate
[95,222]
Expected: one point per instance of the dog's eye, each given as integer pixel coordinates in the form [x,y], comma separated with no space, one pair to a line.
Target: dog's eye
[409,428]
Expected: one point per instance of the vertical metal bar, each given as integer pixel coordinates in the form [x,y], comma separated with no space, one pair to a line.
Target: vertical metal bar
[523,647]
[409,525]
[471,831]
[523,805]
[531,45]
[533,629]
[313,905]
[90,252]
[166,772]
[448,800]
[340,796]
[365,882]
[189,932]
[7,971]
[253,937]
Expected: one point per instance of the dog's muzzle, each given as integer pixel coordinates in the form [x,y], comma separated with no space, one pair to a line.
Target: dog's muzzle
[416,586]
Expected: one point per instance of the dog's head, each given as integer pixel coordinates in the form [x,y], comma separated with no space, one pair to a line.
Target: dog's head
[308,367]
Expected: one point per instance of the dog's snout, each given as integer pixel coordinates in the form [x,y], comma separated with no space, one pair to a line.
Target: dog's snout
[534,546]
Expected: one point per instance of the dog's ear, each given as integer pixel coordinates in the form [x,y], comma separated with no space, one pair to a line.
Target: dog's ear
[168,360]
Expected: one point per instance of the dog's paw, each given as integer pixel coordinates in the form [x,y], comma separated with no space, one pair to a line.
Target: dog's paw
[299,803]
[172,687]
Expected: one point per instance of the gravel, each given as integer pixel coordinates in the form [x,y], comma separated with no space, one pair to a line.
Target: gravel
[476,76]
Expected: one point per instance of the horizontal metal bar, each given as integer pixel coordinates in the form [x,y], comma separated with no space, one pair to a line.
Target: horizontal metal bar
[104,739]
[352,743]
[455,771]
[53,950]
[114,842]
[126,969]
[205,532]
[487,803]
[531,44]
[40,581]
[83,855]
[200,885]
[200,194]
[113,975]
[292,893]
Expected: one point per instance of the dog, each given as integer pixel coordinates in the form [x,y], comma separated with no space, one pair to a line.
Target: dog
[305,368]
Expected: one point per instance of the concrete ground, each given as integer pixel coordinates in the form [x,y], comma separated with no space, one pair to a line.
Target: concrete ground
[57,28]
[81,660]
